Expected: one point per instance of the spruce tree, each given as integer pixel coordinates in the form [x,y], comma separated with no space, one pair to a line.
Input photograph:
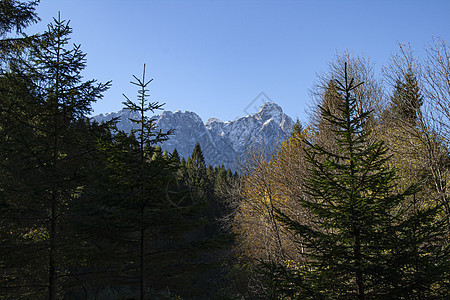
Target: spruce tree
[197,156]
[43,156]
[407,99]
[174,155]
[298,127]
[361,243]
[147,217]
[146,135]
[183,172]
[196,170]
[15,16]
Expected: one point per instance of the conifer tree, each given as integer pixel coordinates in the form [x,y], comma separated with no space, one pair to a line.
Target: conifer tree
[44,156]
[197,156]
[183,164]
[298,127]
[360,244]
[407,99]
[196,170]
[174,155]
[151,213]
[14,17]
[146,134]
[165,154]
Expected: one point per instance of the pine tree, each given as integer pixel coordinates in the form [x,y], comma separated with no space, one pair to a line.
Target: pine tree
[360,244]
[136,216]
[197,156]
[146,134]
[407,99]
[157,152]
[183,164]
[175,156]
[147,216]
[44,155]
[15,16]
[196,170]
[298,127]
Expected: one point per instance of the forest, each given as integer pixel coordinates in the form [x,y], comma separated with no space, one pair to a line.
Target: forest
[353,205]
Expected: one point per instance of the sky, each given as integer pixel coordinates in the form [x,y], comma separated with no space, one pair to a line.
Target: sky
[223,59]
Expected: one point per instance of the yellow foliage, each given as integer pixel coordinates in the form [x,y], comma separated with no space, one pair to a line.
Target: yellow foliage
[277,185]
[272,186]
[418,157]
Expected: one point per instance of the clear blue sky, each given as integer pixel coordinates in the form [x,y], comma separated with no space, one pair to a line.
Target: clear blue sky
[215,57]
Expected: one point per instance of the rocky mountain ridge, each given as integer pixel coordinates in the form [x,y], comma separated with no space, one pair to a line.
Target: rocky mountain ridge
[225,143]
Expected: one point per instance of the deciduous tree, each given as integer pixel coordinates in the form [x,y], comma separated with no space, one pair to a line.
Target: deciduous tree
[359,243]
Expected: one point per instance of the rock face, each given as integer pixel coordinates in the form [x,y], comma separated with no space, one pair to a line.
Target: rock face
[225,143]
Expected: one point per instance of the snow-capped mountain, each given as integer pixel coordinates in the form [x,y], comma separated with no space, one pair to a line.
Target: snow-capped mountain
[225,143]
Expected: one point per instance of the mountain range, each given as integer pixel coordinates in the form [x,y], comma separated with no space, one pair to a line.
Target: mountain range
[223,143]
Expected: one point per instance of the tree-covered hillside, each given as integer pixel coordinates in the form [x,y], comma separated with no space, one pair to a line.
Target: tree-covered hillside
[354,204]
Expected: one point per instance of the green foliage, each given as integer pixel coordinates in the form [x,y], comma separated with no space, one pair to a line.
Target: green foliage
[207,184]
[175,156]
[361,243]
[196,171]
[331,101]
[298,127]
[86,210]
[16,15]
[197,156]
[45,142]
[407,99]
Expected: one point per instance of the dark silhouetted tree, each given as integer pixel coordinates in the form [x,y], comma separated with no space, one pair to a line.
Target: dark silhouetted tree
[43,158]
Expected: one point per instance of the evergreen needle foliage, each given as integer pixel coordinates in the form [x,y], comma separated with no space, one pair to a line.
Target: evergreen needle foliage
[407,99]
[361,243]
[14,17]
[43,154]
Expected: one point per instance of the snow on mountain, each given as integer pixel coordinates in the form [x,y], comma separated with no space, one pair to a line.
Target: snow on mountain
[224,143]
[124,116]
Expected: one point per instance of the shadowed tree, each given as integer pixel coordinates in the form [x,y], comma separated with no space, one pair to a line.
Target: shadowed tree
[43,158]
[14,17]
[147,136]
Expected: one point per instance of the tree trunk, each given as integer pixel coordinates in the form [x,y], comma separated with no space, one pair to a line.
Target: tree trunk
[142,264]
[52,284]
[358,259]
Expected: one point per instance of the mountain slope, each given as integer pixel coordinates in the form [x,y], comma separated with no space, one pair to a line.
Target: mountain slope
[224,143]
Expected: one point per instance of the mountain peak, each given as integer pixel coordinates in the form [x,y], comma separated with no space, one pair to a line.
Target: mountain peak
[269,110]
[212,120]
[271,106]
[224,143]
